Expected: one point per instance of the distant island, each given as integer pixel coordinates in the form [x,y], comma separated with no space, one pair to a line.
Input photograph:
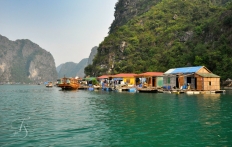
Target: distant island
[23,61]
[71,69]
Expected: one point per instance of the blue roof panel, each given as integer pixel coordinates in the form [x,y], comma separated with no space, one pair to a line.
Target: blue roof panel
[184,70]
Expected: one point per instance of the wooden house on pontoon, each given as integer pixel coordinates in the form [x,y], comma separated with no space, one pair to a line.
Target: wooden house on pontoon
[103,77]
[195,78]
[153,79]
[128,78]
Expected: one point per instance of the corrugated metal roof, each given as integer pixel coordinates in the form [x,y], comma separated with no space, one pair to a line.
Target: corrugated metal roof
[208,75]
[124,75]
[150,74]
[169,71]
[183,70]
[104,77]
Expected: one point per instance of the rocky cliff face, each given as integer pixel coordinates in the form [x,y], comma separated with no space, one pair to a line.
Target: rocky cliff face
[127,9]
[71,69]
[26,62]
[92,55]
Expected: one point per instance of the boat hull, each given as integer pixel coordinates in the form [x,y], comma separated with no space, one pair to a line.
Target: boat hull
[68,86]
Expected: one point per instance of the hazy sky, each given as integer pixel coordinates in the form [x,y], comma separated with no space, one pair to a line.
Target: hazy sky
[68,29]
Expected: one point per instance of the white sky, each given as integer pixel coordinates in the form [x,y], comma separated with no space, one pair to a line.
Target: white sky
[68,29]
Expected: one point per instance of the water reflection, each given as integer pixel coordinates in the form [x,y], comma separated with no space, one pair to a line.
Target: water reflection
[211,96]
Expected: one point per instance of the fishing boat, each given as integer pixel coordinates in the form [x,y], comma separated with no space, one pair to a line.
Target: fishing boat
[68,83]
[49,84]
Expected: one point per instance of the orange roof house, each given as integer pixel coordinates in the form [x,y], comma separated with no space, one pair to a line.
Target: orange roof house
[154,79]
[126,77]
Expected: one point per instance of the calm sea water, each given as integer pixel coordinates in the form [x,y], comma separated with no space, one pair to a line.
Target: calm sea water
[40,116]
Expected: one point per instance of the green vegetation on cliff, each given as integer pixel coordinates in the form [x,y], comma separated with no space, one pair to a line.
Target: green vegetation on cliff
[173,33]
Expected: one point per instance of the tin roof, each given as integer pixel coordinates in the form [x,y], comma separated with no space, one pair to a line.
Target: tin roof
[124,75]
[150,74]
[103,77]
[184,70]
[208,75]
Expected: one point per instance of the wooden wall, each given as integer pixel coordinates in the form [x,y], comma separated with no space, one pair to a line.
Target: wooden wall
[181,81]
[203,70]
[200,82]
[203,83]
[215,84]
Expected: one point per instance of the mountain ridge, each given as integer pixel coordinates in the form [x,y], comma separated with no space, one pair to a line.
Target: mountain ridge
[72,69]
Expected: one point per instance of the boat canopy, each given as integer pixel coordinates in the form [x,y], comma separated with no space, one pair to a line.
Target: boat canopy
[90,79]
[117,79]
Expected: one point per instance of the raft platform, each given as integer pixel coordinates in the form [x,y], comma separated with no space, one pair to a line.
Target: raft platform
[206,92]
[147,90]
[129,89]
[192,91]
[83,87]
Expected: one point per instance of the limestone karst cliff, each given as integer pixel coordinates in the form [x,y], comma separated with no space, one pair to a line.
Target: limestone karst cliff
[23,61]
[125,10]
[158,35]
[92,55]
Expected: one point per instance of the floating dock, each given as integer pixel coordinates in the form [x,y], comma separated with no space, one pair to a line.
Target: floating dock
[83,87]
[191,91]
[147,90]
[229,88]
[129,89]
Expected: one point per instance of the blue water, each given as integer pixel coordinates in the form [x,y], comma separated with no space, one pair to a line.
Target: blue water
[40,116]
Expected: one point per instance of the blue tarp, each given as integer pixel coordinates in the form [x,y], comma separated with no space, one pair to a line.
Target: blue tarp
[118,79]
[183,70]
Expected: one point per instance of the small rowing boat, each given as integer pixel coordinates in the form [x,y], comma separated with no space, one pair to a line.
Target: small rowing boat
[49,85]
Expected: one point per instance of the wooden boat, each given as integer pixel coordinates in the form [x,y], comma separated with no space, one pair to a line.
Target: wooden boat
[68,83]
[50,84]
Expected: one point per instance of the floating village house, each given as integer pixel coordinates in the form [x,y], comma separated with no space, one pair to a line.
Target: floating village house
[153,79]
[103,77]
[196,78]
[128,78]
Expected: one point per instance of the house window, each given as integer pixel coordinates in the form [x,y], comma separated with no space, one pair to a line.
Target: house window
[209,83]
[127,80]
[169,80]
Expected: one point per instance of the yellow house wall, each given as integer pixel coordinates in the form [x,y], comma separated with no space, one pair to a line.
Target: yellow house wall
[132,81]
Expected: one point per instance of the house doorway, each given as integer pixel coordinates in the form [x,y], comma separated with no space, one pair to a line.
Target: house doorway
[153,82]
[177,82]
[195,83]
[189,80]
